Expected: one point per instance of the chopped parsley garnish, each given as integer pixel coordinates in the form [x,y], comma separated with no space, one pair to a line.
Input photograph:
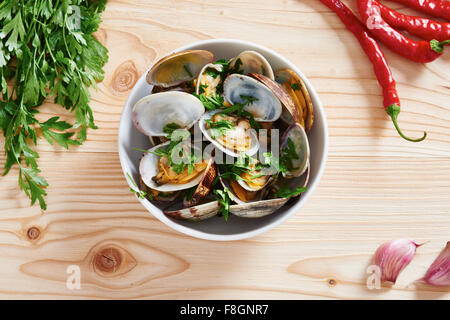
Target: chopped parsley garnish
[177,148]
[212,72]
[234,171]
[288,154]
[202,88]
[223,62]
[286,192]
[219,128]
[284,163]
[237,66]
[139,193]
[238,109]
[295,86]
[170,128]
[223,197]
[211,102]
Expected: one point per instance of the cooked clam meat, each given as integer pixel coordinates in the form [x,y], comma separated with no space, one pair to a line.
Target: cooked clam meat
[167,173]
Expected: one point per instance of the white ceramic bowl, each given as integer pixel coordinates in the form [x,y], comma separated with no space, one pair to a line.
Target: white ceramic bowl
[217,228]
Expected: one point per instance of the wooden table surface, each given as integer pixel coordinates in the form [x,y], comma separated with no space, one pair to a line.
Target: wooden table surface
[376,186]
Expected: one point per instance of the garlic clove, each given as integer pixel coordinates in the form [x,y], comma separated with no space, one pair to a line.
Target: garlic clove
[393,256]
[438,274]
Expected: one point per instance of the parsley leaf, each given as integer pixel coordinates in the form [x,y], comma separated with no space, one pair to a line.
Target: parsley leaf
[286,192]
[211,102]
[223,197]
[219,128]
[288,154]
[295,86]
[170,128]
[139,193]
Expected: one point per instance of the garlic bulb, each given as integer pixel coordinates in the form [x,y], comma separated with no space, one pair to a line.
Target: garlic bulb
[438,273]
[392,257]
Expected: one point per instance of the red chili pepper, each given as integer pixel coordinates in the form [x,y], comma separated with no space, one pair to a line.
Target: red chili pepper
[425,28]
[437,8]
[376,56]
[418,51]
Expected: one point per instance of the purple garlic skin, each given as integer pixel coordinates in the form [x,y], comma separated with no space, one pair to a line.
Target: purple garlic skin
[438,274]
[393,256]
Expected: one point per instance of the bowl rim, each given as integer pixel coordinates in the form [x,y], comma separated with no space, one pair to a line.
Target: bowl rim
[248,234]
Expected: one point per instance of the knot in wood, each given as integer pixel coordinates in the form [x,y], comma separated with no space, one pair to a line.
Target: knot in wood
[108,260]
[124,77]
[33,233]
[331,282]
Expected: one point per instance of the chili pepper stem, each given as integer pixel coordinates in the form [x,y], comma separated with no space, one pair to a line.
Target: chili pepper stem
[393,111]
[438,46]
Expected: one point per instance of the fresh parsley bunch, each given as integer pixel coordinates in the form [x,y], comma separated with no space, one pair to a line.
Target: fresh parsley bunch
[46,50]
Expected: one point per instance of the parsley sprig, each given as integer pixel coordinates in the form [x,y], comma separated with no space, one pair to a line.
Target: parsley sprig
[44,53]
[286,192]
[219,128]
[224,197]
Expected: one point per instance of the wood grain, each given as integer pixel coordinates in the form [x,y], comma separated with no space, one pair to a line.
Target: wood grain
[376,186]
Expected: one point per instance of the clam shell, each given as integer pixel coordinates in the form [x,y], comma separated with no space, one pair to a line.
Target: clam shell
[258,194]
[298,136]
[253,62]
[281,94]
[205,185]
[148,168]
[257,209]
[178,67]
[301,97]
[210,81]
[247,187]
[267,107]
[292,182]
[163,201]
[197,213]
[254,143]
[152,113]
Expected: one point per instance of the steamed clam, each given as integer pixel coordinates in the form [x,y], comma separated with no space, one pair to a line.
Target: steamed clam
[178,68]
[200,111]
[208,79]
[260,100]
[159,174]
[252,62]
[294,85]
[231,134]
[153,113]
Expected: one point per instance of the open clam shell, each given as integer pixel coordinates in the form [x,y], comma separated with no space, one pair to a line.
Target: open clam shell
[297,135]
[159,198]
[249,187]
[252,62]
[205,79]
[153,112]
[300,95]
[178,68]
[281,93]
[291,182]
[148,168]
[205,185]
[257,209]
[265,108]
[258,183]
[254,144]
[197,213]
[239,192]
